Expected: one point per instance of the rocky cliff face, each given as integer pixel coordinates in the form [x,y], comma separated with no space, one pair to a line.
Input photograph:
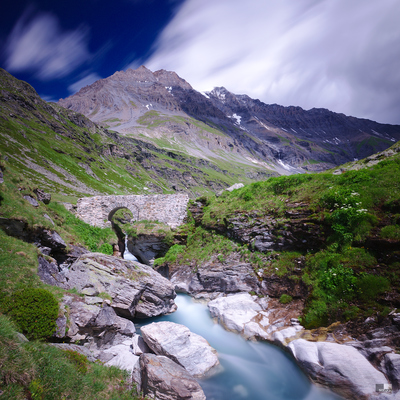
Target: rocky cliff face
[161,105]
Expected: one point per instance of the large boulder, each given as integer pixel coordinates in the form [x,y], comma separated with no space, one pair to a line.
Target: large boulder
[163,379]
[234,311]
[135,290]
[341,367]
[177,342]
[257,318]
[92,321]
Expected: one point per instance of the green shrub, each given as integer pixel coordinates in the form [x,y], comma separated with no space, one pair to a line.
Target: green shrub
[315,315]
[34,311]
[338,283]
[391,232]
[285,299]
[370,286]
[106,248]
[171,255]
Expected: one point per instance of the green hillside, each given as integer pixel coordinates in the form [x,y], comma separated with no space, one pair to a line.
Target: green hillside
[338,235]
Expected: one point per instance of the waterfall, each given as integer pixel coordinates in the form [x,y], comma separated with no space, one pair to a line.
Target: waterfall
[127,254]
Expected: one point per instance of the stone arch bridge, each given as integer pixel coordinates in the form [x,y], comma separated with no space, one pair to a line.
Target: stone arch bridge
[167,208]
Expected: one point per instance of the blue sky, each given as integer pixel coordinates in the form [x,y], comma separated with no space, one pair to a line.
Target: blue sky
[337,54]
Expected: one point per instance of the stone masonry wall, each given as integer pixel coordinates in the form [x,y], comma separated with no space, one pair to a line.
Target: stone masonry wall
[167,208]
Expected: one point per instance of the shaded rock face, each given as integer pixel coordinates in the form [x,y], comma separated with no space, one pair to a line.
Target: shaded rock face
[342,367]
[147,248]
[215,277]
[163,379]
[177,342]
[48,241]
[135,289]
[93,322]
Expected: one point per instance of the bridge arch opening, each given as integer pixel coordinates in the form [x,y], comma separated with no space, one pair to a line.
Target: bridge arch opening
[121,217]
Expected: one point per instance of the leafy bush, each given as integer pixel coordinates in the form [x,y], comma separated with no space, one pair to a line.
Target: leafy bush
[338,283]
[391,232]
[34,311]
[370,286]
[347,213]
[106,248]
[285,299]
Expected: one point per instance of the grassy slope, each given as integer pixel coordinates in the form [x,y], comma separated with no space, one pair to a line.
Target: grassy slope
[355,273]
[33,369]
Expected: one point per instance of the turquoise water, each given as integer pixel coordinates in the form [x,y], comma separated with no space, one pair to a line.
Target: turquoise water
[251,370]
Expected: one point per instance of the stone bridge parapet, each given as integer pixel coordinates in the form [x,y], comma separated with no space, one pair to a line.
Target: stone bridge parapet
[167,208]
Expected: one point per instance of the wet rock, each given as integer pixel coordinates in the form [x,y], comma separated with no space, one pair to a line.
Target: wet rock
[257,318]
[392,364]
[235,311]
[181,345]
[136,290]
[42,196]
[31,201]
[163,379]
[340,367]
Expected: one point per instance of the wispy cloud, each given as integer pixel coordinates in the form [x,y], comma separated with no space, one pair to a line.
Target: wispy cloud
[314,53]
[86,80]
[38,44]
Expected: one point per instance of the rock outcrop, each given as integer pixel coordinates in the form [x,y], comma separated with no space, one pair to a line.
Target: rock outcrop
[135,290]
[163,379]
[257,318]
[93,322]
[213,277]
[342,367]
[177,342]
[43,196]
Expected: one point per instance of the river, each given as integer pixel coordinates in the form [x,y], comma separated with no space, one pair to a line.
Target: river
[250,370]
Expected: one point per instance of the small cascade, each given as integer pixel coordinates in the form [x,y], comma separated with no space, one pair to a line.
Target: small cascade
[127,254]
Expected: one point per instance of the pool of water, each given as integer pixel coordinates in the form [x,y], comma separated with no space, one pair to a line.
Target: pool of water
[251,370]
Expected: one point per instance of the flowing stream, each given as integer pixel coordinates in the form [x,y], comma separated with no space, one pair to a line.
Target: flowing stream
[251,370]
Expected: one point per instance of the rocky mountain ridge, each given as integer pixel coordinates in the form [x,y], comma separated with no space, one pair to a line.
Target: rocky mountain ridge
[162,106]
[65,153]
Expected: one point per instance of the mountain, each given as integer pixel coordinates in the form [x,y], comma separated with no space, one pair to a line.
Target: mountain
[165,110]
[64,152]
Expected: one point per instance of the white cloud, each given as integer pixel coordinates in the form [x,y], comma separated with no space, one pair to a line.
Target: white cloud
[314,53]
[38,44]
[85,81]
